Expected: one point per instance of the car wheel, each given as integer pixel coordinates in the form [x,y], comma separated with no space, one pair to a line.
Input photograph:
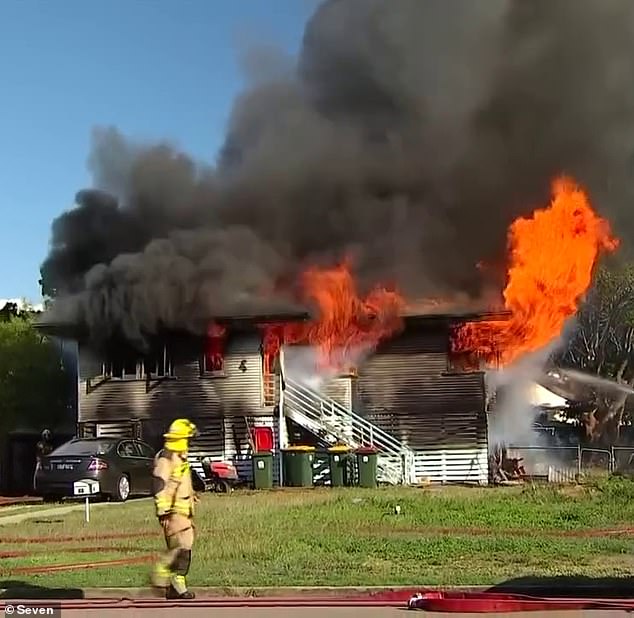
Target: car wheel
[122,491]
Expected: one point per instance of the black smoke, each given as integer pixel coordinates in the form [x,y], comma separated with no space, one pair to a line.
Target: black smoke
[408,135]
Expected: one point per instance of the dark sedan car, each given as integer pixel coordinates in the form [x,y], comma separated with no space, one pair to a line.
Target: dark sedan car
[122,466]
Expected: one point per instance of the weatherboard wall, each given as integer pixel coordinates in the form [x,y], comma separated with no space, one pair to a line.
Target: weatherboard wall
[340,389]
[405,389]
[238,391]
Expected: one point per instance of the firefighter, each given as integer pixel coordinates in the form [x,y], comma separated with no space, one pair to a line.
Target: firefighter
[174,500]
[43,448]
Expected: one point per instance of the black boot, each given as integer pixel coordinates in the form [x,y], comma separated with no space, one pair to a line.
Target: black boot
[173,594]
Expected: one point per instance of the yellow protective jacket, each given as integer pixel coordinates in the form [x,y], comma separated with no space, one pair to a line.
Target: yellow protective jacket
[173,490]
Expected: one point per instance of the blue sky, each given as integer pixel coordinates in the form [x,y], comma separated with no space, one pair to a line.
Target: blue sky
[156,69]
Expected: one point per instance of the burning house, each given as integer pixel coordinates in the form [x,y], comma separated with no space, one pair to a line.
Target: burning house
[360,151]
[406,398]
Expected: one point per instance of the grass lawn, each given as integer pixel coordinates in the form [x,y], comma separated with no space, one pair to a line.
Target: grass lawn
[346,537]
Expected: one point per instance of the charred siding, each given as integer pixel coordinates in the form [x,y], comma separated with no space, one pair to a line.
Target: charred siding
[237,392]
[89,364]
[404,388]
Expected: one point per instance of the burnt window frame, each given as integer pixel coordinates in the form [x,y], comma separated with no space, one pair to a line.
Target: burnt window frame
[152,361]
[108,366]
[142,364]
[214,374]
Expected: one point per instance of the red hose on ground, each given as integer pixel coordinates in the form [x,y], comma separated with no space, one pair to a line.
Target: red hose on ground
[443,602]
[498,603]
[216,602]
[75,539]
[105,549]
[78,566]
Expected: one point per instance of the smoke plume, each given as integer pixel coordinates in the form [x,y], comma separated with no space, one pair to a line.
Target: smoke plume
[408,135]
[513,415]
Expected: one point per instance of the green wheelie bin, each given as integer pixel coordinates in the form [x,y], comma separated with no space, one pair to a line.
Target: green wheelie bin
[340,465]
[298,466]
[367,466]
[262,470]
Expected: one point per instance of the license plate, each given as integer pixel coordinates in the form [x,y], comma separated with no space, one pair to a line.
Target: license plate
[65,467]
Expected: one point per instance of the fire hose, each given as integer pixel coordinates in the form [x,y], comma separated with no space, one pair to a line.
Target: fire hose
[436,601]
[504,603]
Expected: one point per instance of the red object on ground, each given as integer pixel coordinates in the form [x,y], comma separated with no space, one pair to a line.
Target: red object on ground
[482,603]
[262,439]
[38,540]
[498,603]
[444,602]
[25,553]
[51,568]
[217,602]
[223,470]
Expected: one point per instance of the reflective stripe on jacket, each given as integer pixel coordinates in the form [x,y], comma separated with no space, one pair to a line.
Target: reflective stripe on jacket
[174,492]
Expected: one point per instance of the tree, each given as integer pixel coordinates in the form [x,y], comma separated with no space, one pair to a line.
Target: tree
[603,344]
[12,310]
[33,382]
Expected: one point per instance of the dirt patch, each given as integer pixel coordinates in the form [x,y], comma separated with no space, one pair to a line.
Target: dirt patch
[577,491]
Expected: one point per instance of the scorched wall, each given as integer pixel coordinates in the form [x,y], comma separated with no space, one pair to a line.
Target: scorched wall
[222,407]
[185,393]
[407,389]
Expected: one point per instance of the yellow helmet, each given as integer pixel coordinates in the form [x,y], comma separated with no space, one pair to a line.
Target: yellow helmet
[181,429]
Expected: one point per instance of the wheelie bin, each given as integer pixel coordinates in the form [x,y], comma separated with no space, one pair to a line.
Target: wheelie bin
[298,466]
[367,458]
[340,473]
[262,470]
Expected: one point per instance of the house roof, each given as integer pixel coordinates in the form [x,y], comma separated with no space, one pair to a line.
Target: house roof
[48,325]
[78,331]
[456,317]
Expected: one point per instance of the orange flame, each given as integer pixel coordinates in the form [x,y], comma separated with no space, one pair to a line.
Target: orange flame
[347,323]
[553,255]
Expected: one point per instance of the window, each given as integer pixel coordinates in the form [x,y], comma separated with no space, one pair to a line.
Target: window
[85,447]
[125,366]
[158,364]
[122,367]
[467,361]
[213,357]
[126,449]
[146,450]
[469,354]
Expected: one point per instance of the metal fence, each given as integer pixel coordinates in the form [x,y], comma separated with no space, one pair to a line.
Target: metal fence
[567,463]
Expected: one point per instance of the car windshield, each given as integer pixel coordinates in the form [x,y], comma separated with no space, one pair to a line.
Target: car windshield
[85,447]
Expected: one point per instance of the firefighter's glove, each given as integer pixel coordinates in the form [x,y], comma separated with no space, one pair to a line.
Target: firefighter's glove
[163,517]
